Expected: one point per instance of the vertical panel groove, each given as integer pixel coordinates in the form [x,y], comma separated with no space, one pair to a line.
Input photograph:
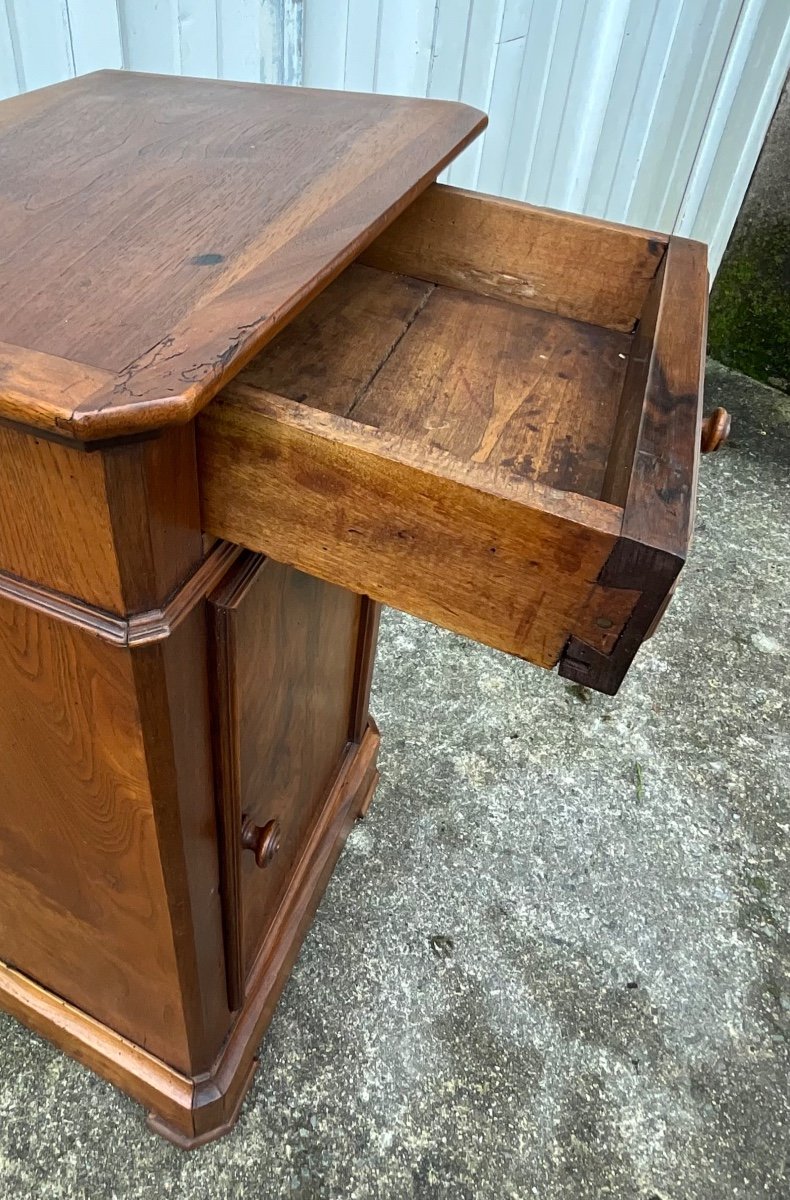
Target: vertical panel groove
[651,112]
[542,100]
[432,57]
[476,150]
[573,61]
[378,47]
[631,103]
[12,76]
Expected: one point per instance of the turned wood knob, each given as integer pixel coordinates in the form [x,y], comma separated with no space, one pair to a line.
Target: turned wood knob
[715,430]
[263,840]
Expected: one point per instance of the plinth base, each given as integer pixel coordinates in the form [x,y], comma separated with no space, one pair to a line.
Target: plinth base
[193,1111]
[174,1133]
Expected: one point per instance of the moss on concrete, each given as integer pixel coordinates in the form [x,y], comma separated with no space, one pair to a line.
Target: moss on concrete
[750,305]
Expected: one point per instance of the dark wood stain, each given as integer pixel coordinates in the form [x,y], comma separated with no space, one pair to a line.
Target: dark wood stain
[654,460]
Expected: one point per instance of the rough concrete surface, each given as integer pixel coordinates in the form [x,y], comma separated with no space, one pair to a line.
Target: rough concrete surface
[553,962]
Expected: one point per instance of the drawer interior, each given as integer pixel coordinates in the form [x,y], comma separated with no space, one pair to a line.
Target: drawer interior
[491,420]
[484,379]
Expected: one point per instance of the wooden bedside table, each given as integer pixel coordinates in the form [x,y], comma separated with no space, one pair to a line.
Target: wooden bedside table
[491,419]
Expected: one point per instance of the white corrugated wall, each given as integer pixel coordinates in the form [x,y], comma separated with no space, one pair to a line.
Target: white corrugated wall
[42,41]
[651,112]
[646,111]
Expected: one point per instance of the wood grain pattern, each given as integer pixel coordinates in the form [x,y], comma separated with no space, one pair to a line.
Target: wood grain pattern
[486,443]
[292,659]
[667,390]
[153,499]
[329,353]
[506,561]
[486,380]
[70,510]
[118,529]
[172,681]
[106,748]
[222,603]
[278,952]
[96,1045]
[82,894]
[193,1110]
[499,385]
[654,460]
[575,266]
[478,401]
[145,192]
[141,629]
[295,642]
[43,388]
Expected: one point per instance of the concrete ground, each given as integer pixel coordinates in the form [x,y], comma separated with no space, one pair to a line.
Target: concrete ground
[554,961]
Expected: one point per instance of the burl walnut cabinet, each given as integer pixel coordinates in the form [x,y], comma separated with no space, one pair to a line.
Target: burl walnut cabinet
[258,374]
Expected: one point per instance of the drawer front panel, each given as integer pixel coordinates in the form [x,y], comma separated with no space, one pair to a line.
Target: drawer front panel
[464,547]
[505,443]
[285,660]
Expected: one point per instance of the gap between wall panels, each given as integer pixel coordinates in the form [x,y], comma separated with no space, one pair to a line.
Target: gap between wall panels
[651,112]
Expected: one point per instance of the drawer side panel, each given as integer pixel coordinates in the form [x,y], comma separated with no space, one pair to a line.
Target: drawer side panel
[452,543]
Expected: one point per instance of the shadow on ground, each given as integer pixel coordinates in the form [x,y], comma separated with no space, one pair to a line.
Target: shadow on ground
[554,961]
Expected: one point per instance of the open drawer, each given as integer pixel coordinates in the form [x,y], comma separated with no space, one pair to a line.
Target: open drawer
[490,420]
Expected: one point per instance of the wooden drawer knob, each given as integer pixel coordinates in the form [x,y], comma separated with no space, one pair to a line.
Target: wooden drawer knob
[715,430]
[263,840]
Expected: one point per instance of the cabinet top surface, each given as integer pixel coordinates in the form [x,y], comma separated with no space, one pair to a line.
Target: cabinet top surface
[156,231]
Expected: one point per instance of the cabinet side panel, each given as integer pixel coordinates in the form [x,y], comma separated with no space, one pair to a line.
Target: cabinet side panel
[83,908]
[55,526]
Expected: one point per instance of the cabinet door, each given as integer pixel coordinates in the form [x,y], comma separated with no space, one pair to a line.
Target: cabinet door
[291,675]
